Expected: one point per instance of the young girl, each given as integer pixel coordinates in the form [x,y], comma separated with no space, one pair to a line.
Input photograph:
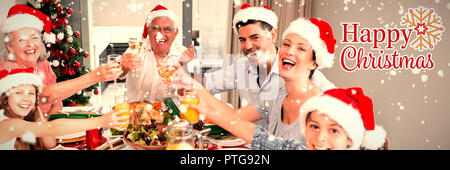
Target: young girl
[19,89]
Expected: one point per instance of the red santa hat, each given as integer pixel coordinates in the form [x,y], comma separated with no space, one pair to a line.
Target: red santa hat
[15,77]
[159,11]
[353,111]
[22,16]
[319,34]
[262,13]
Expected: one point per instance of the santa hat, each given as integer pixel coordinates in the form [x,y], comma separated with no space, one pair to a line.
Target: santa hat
[319,34]
[22,16]
[353,111]
[159,11]
[15,77]
[262,13]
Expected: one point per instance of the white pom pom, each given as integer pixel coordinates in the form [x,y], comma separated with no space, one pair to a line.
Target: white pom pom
[374,139]
[55,63]
[60,36]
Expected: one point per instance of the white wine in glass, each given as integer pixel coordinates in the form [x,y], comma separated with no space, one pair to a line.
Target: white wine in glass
[114,58]
[135,47]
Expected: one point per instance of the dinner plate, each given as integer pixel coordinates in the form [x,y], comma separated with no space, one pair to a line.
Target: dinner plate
[234,149]
[77,109]
[74,137]
[60,147]
[228,142]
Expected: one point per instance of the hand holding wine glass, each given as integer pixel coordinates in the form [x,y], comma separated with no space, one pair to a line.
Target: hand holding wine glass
[114,59]
[166,67]
[132,59]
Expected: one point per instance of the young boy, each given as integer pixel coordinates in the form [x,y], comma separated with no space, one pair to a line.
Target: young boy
[337,120]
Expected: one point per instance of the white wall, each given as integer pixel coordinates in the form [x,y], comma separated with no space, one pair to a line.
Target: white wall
[118,20]
[415,113]
[4,8]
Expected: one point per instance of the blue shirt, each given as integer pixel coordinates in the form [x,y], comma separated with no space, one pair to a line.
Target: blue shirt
[262,140]
[244,77]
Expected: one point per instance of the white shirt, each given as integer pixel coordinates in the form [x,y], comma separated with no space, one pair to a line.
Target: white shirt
[146,83]
[10,144]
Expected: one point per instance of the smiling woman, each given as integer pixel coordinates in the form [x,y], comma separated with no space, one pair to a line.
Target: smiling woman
[25,44]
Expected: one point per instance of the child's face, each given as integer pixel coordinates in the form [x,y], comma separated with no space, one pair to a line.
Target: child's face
[323,133]
[22,99]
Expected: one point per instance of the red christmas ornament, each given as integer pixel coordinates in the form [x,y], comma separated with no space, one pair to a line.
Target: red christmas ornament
[69,11]
[58,6]
[72,71]
[59,69]
[77,64]
[65,71]
[96,92]
[86,55]
[72,104]
[72,51]
[76,34]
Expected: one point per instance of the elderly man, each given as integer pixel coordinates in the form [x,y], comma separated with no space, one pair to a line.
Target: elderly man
[160,31]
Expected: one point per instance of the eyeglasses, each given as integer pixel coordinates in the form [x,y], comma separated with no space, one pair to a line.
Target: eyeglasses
[165,29]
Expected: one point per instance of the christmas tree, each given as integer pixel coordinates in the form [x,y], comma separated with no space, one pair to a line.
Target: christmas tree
[66,55]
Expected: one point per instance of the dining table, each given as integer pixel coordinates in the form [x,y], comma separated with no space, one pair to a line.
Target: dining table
[224,141]
[215,137]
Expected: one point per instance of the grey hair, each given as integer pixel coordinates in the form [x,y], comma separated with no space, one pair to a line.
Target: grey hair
[174,22]
[4,52]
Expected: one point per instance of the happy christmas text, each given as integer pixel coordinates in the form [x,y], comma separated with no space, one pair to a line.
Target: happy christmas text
[354,58]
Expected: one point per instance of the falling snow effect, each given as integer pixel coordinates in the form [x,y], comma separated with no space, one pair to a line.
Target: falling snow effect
[440,73]
[424,78]
[29,137]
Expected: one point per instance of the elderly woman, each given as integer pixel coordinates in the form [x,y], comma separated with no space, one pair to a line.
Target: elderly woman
[25,48]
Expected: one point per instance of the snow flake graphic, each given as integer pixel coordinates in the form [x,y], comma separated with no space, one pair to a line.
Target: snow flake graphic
[428,27]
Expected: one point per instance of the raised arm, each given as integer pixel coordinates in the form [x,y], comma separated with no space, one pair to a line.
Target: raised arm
[12,128]
[59,91]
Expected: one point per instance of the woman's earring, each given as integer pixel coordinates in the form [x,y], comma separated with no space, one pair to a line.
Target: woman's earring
[11,56]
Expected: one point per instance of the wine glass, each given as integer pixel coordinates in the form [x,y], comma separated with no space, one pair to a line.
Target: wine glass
[135,47]
[114,58]
[166,68]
